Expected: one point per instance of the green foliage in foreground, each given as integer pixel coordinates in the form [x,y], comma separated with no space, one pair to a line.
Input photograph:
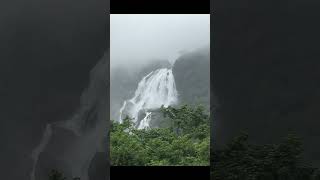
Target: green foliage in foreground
[240,160]
[243,161]
[184,142]
[56,175]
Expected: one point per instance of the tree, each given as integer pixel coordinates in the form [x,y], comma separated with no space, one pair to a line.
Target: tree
[185,141]
[57,175]
[243,161]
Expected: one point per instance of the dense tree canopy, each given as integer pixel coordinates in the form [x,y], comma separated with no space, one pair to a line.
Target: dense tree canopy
[241,160]
[183,141]
[57,175]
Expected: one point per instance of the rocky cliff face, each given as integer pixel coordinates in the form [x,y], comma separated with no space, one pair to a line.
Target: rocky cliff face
[192,76]
[191,73]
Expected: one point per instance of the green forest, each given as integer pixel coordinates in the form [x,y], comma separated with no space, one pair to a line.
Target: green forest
[241,160]
[184,141]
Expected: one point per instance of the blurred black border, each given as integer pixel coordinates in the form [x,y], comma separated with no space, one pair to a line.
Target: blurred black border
[160,172]
[160,6]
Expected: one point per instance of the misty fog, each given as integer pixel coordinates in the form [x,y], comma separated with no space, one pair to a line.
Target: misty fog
[142,43]
[138,38]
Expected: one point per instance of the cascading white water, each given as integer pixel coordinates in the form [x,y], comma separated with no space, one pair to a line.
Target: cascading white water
[87,124]
[154,90]
[36,152]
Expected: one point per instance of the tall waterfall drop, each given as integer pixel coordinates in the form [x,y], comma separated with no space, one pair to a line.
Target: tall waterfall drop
[84,131]
[154,90]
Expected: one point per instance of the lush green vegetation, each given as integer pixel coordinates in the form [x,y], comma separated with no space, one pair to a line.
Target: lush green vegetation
[184,141]
[57,175]
[241,160]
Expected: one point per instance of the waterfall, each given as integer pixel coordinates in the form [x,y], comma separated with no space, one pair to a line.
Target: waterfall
[87,125]
[36,152]
[156,89]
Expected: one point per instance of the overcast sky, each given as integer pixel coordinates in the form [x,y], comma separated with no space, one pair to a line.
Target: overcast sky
[136,38]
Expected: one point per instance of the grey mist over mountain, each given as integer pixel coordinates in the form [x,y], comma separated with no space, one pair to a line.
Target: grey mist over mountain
[137,39]
[158,60]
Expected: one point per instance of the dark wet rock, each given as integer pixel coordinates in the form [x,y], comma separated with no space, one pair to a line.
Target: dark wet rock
[192,76]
